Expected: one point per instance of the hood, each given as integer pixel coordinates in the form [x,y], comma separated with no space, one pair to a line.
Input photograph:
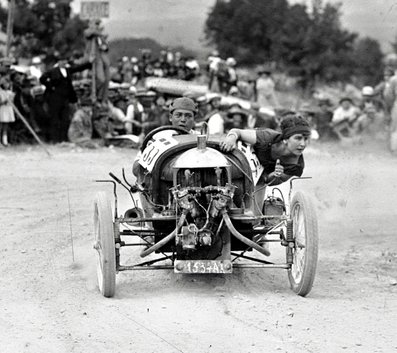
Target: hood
[201,158]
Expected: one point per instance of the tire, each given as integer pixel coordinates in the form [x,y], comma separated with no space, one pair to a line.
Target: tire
[105,245]
[305,232]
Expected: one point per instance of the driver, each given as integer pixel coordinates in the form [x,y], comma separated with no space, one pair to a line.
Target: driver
[280,153]
[182,114]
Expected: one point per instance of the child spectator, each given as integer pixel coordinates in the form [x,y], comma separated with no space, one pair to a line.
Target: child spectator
[6,110]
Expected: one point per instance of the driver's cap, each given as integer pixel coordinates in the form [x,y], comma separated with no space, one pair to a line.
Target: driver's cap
[183,103]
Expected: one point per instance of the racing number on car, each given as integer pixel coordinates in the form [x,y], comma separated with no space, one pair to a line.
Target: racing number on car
[154,150]
[151,154]
[256,166]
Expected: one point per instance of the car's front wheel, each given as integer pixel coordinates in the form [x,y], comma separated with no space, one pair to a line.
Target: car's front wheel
[305,251]
[105,245]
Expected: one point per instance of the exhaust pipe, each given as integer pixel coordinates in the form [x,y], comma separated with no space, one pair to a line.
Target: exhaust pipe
[165,240]
[241,237]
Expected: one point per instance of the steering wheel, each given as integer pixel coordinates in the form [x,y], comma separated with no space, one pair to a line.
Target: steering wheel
[149,136]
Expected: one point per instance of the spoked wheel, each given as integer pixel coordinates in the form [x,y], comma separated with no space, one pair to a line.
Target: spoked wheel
[105,245]
[305,253]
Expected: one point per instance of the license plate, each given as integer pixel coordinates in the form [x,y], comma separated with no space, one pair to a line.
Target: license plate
[203,266]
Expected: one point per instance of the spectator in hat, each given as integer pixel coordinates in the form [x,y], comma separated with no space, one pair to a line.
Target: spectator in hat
[5,65]
[6,110]
[264,90]
[161,110]
[126,69]
[369,99]
[344,117]
[324,118]
[23,100]
[212,67]
[203,109]
[133,123]
[390,94]
[372,117]
[231,73]
[58,96]
[150,120]
[36,69]
[233,91]
[381,87]
[80,129]
[135,70]
[192,68]
[236,118]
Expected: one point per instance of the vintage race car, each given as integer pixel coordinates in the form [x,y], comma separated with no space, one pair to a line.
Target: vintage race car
[198,210]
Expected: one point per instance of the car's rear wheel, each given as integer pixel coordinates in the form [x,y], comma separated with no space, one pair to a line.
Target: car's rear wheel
[105,245]
[305,252]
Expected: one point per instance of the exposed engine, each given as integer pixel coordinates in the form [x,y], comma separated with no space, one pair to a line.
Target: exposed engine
[202,207]
[202,189]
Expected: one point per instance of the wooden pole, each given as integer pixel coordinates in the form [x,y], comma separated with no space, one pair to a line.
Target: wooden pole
[10,25]
[94,68]
[20,116]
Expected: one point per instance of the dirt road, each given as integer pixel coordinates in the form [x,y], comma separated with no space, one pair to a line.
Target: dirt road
[50,303]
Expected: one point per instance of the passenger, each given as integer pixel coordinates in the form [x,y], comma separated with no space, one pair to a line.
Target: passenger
[280,153]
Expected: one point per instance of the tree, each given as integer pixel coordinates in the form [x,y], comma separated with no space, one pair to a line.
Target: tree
[368,58]
[327,48]
[248,29]
[310,44]
[45,26]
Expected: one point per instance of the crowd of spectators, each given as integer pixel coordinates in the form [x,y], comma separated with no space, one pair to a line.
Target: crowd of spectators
[131,110]
[349,117]
[169,64]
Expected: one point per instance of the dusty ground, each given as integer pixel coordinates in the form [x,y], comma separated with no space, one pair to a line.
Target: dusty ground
[50,303]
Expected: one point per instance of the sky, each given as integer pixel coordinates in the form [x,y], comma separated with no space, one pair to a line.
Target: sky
[181,22]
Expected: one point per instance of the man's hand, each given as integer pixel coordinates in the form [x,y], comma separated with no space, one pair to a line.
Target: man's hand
[229,143]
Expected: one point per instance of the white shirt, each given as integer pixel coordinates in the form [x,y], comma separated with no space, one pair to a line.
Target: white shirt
[130,116]
[216,124]
[35,71]
[341,114]
[63,71]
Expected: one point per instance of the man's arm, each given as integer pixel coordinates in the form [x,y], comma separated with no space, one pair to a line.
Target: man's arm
[230,141]
[80,67]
